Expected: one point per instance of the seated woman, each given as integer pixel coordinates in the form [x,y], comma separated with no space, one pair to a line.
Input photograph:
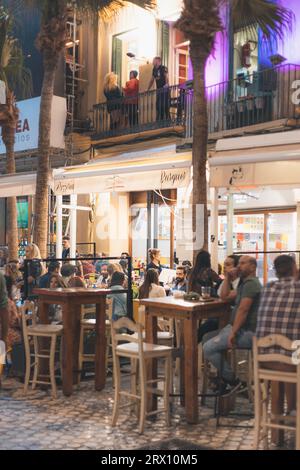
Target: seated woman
[55,311]
[119,301]
[150,289]
[14,335]
[202,275]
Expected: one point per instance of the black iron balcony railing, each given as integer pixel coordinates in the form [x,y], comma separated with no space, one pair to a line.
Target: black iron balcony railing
[268,95]
[156,109]
[262,97]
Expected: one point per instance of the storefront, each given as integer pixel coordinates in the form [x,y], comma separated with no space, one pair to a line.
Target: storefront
[259,179]
[132,196]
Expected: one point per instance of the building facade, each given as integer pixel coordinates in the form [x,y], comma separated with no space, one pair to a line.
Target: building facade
[253,109]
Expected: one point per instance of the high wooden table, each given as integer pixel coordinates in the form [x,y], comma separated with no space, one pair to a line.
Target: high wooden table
[71,301]
[190,313]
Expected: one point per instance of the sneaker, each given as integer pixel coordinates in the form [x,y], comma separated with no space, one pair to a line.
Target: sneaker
[233,387]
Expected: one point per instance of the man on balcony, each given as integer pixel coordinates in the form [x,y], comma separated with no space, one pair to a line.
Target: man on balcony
[161,77]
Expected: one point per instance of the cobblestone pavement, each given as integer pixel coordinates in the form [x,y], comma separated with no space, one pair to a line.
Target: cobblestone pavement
[82,421]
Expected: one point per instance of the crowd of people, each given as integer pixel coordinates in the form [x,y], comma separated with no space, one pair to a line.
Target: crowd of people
[255,310]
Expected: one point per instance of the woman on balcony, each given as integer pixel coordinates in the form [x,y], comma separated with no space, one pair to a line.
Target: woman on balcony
[131,92]
[113,96]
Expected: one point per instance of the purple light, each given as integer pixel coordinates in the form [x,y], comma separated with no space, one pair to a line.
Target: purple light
[217,64]
[289,48]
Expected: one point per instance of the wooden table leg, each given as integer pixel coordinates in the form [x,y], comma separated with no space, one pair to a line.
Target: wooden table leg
[277,406]
[76,317]
[191,369]
[151,337]
[44,343]
[67,361]
[100,354]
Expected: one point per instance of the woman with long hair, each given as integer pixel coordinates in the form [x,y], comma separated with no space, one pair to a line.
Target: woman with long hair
[150,289]
[113,96]
[202,274]
[35,267]
[14,320]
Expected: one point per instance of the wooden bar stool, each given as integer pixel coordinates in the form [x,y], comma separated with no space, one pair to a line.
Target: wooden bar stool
[33,330]
[139,352]
[265,419]
[88,325]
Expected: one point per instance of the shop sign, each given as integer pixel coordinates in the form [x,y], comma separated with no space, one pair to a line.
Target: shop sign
[27,128]
[174,178]
[64,187]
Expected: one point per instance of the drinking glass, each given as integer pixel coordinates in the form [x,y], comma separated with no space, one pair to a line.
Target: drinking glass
[205,292]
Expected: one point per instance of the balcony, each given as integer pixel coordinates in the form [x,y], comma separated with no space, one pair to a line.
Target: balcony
[255,102]
[154,110]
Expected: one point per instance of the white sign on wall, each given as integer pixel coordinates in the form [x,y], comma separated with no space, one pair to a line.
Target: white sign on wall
[27,129]
[126,182]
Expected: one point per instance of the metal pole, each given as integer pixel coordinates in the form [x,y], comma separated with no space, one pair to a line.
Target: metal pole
[230,214]
[129,287]
[59,226]
[73,225]
[149,225]
[214,231]
[155,221]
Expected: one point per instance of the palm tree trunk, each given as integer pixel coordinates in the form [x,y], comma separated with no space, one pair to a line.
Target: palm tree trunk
[43,168]
[199,157]
[8,135]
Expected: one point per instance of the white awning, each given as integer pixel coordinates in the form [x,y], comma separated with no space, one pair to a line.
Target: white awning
[17,185]
[125,173]
[270,160]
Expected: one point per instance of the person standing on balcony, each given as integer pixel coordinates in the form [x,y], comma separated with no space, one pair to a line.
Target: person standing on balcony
[160,76]
[113,96]
[131,92]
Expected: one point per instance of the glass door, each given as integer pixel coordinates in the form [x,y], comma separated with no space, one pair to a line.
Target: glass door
[281,238]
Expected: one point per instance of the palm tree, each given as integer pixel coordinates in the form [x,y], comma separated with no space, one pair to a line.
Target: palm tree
[200,21]
[14,74]
[51,42]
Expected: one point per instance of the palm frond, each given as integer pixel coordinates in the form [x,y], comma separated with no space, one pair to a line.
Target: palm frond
[200,21]
[274,20]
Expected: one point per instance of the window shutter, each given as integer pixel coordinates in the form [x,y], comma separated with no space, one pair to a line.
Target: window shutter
[165,43]
[117,58]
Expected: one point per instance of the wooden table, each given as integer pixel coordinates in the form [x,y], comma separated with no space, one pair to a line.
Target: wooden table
[190,313]
[71,301]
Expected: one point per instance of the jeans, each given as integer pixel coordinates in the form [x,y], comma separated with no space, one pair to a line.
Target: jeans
[4,323]
[214,348]
[209,325]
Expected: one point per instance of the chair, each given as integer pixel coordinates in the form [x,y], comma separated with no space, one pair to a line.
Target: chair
[263,375]
[88,325]
[31,329]
[236,362]
[138,352]
[165,333]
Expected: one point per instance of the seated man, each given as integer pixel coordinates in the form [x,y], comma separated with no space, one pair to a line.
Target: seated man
[228,294]
[241,331]
[279,312]
[180,282]
[104,276]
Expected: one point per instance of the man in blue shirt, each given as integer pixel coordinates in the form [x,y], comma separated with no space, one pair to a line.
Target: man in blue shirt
[180,282]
